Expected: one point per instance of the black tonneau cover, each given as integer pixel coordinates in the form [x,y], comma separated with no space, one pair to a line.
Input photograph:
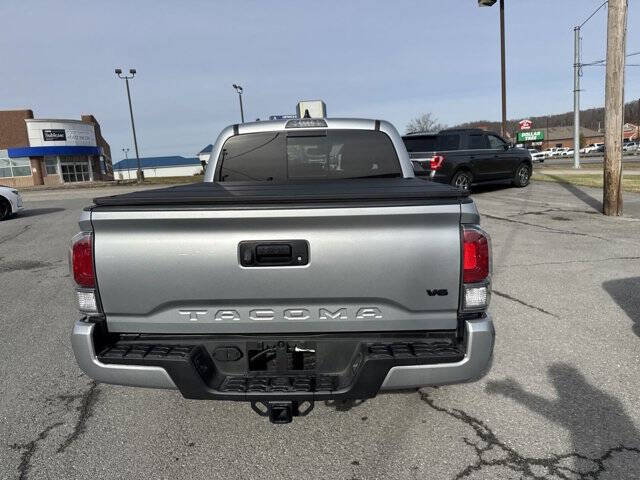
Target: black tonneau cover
[252,193]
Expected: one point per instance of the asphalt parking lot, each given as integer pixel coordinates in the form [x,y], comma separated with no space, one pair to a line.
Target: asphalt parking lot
[561,401]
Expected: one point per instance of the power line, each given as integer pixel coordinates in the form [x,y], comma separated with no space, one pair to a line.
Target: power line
[595,11]
[604,65]
[601,62]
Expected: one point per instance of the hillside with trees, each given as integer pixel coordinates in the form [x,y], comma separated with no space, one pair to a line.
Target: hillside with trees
[592,118]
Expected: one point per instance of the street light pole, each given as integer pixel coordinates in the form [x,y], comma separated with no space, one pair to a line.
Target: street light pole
[126,78]
[503,68]
[239,89]
[126,156]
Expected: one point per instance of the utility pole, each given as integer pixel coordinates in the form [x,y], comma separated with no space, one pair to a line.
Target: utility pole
[503,68]
[613,107]
[576,97]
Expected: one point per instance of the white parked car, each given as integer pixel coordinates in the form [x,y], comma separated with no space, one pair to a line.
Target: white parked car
[10,202]
[555,151]
[630,147]
[592,147]
[537,155]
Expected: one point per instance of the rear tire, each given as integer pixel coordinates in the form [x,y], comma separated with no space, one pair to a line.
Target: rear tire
[462,180]
[522,175]
[5,209]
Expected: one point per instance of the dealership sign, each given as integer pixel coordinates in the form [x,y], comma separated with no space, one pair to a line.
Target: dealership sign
[525,124]
[54,134]
[60,133]
[531,136]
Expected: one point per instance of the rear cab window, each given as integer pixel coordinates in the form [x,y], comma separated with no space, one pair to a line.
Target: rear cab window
[307,155]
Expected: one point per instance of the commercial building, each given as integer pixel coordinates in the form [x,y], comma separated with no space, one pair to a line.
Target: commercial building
[36,151]
[205,155]
[563,136]
[173,166]
[544,138]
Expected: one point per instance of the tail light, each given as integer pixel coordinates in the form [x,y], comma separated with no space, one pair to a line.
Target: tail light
[476,268]
[436,162]
[81,266]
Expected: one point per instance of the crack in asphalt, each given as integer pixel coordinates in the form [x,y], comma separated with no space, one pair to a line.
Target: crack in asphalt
[565,262]
[14,235]
[550,229]
[549,210]
[16,265]
[538,468]
[85,410]
[29,448]
[528,305]
[87,399]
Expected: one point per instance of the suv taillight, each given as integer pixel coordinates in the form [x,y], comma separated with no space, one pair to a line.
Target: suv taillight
[436,162]
[476,268]
[81,266]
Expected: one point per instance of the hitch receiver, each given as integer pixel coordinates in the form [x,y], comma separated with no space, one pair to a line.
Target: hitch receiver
[281,412]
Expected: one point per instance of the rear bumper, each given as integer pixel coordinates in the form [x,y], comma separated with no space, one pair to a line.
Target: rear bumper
[381,376]
[83,343]
[475,364]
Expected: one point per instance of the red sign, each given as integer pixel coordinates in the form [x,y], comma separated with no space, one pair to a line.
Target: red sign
[525,124]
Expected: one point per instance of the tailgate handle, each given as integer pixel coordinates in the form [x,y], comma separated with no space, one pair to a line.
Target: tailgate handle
[279,252]
[273,253]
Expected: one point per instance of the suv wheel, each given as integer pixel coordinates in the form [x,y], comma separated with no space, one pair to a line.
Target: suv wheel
[522,175]
[462,180]
[5,209]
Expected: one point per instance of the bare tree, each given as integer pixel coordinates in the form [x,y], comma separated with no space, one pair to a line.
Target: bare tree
[424,123]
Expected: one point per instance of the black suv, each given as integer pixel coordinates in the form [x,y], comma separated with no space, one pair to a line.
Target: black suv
[463,157]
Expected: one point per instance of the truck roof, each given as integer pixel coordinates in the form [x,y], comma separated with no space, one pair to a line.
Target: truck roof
[323,123]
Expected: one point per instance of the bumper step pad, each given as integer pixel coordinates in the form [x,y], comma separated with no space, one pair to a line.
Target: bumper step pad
[415,350]
[279,384]
[198,373]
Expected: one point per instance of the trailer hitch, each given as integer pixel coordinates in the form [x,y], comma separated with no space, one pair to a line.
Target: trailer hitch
[281,412]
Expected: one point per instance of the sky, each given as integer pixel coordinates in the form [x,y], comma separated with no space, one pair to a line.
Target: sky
[388,60]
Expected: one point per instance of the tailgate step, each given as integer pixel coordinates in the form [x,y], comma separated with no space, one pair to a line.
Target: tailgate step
[414,349]
[279,384]
[293,368]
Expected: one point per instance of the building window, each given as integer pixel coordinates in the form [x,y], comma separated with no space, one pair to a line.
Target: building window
[75,172]
[51,164]
[14,167]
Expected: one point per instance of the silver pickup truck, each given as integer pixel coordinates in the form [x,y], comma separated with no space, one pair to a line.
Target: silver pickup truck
[309,265]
